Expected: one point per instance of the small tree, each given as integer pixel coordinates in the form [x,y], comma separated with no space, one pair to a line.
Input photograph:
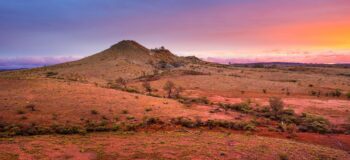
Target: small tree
[147,87]
[121,81]
[276,104]
[169,87]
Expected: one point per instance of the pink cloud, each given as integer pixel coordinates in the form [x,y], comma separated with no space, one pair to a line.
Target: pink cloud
[298,58]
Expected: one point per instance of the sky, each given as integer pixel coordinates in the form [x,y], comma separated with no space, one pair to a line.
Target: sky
[40,32]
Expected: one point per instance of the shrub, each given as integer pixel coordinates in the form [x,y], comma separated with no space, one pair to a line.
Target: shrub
[98,127]
[313,93]
[68,129]
[185,122]
[151,120]
[20,112]
[283,157]
[50,74]
[276,104]
[148,109]
[125,111]
[240,107]
[94,112]
[131,90]
[287,116]
[348,95]
[130,117]
[313,123]
[336,93]
[104,117]
[189,101]
[169,87]
[131,127]
[115,127]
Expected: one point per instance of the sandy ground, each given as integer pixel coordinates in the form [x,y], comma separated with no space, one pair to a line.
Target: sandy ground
[162,145]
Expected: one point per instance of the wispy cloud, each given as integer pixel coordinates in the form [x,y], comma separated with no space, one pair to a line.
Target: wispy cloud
[301,58]
[30,62]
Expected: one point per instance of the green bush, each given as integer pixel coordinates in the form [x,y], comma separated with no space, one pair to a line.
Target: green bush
[348,95]
[313,123]
[240,107]
[287,116]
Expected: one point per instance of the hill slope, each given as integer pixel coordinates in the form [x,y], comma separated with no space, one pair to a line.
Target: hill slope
[127,59]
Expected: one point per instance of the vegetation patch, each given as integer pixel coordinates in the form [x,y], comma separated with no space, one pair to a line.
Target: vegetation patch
[240,107]
[51,74]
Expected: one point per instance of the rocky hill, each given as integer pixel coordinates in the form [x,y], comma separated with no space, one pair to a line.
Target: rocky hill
[126,59]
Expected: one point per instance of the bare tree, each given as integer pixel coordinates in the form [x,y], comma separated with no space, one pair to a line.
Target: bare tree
[276,104]
[169,87]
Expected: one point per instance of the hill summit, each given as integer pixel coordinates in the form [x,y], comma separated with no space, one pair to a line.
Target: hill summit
[127,59]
